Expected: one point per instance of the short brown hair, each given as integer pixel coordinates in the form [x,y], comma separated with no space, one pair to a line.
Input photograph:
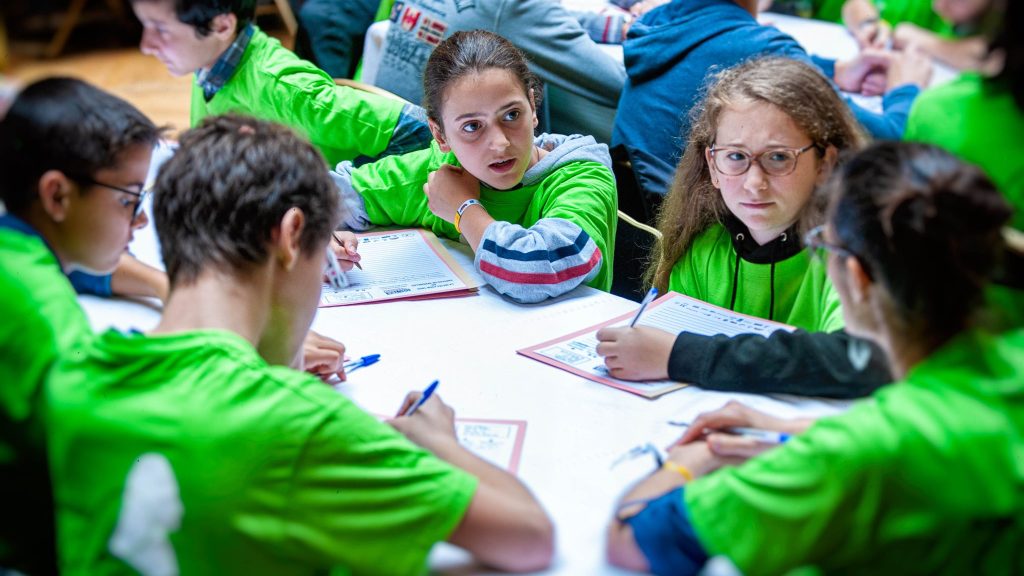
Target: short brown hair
[218,200]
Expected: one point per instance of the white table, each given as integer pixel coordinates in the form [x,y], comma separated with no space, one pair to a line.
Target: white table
[575,428]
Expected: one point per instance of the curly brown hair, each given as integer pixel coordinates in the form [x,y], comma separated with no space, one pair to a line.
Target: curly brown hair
[693,204]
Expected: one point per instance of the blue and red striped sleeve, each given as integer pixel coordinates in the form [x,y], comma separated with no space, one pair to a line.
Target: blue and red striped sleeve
[532,264]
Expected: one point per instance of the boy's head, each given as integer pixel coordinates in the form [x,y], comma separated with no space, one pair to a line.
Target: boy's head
[248,199]
[186,35]
[74,160]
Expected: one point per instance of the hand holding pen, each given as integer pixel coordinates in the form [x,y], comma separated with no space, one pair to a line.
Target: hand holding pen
[345,246]
[426,420]
[738,430]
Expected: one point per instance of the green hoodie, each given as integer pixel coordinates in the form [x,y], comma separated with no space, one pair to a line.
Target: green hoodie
[552,233]
[778,281]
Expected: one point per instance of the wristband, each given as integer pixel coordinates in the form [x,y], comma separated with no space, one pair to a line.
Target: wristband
[458,213]
[678,469]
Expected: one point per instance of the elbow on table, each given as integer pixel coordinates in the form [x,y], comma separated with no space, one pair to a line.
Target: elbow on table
[621,549]
[533,548]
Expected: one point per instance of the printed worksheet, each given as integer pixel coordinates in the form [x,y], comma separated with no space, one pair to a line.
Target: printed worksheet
[400,264]
[673,313]
[500,442]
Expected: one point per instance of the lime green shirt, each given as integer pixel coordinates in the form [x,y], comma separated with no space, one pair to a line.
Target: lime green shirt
[258,469]
[926,477]
[979,123]
[41,320]
[581,191]
[804,296]
[272,83]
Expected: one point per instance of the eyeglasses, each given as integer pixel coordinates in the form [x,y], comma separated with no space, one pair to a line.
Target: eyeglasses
[136,205]
[775,162]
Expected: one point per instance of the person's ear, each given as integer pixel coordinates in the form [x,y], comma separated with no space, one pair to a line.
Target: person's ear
[826,164]
[224,25]
[439,136]
[858,280]
[286,238]
[533,107]
[55,191]
[711,168]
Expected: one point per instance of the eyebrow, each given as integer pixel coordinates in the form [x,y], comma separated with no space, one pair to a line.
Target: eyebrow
[468,115]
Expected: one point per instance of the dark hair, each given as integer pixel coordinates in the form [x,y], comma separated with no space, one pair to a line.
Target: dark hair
[1010,42]
[219,198]
[200,13]
[927,226]
[473,52]
[67,125]
[693,203]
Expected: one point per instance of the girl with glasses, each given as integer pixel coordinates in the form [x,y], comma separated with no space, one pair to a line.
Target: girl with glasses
[922,478]
[767,135]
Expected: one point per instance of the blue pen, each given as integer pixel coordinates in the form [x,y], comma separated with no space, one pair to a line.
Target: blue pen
[423,398]
[362,362]
[762,436]
[651,295]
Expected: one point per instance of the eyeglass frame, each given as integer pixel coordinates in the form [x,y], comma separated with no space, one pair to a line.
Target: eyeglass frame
[141,195]
[751,158]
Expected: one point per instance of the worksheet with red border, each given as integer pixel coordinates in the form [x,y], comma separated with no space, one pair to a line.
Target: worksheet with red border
[408,264]
[673,313]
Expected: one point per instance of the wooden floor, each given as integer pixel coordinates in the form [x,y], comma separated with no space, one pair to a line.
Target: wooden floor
[126,72]
[139,79]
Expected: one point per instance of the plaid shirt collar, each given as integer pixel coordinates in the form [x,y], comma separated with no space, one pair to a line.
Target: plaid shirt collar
[217,76]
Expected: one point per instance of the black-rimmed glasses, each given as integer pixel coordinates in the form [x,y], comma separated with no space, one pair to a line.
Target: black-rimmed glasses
[775,162]
[136,205]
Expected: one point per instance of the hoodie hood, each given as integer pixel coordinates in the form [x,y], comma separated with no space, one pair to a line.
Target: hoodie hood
[564,150]
[656,44]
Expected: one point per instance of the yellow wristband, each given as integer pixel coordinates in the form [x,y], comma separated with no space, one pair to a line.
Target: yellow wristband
[678,469]
[458,213]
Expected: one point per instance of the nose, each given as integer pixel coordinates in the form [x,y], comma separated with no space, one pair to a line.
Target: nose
[755,181]
[140,221]
[499,141]
[147,45]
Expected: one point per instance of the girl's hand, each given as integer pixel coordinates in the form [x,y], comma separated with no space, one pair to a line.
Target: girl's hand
[345,244]
[635,353]
[713,427]
[447,188]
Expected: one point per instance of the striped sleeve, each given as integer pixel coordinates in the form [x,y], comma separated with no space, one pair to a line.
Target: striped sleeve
[532,264]
[353,208]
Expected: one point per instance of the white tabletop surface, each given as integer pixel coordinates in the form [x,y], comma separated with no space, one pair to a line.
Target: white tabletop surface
[575,428]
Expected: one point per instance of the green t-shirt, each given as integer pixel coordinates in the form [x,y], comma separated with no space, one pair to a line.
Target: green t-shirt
[925,477]
[253,468]
[580,191]
[979,123]
[804,296]
[41,319]
[272,83]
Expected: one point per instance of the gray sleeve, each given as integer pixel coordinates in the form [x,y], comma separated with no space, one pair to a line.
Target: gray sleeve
[352,207]
[560,50]
[533,264]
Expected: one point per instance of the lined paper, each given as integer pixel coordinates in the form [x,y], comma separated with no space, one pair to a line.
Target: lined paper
[673,313]
[399,264]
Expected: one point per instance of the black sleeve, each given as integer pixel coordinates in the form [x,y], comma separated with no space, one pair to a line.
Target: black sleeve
[834,365]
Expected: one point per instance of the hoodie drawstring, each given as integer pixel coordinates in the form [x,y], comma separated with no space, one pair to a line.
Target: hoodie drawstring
[735,275]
